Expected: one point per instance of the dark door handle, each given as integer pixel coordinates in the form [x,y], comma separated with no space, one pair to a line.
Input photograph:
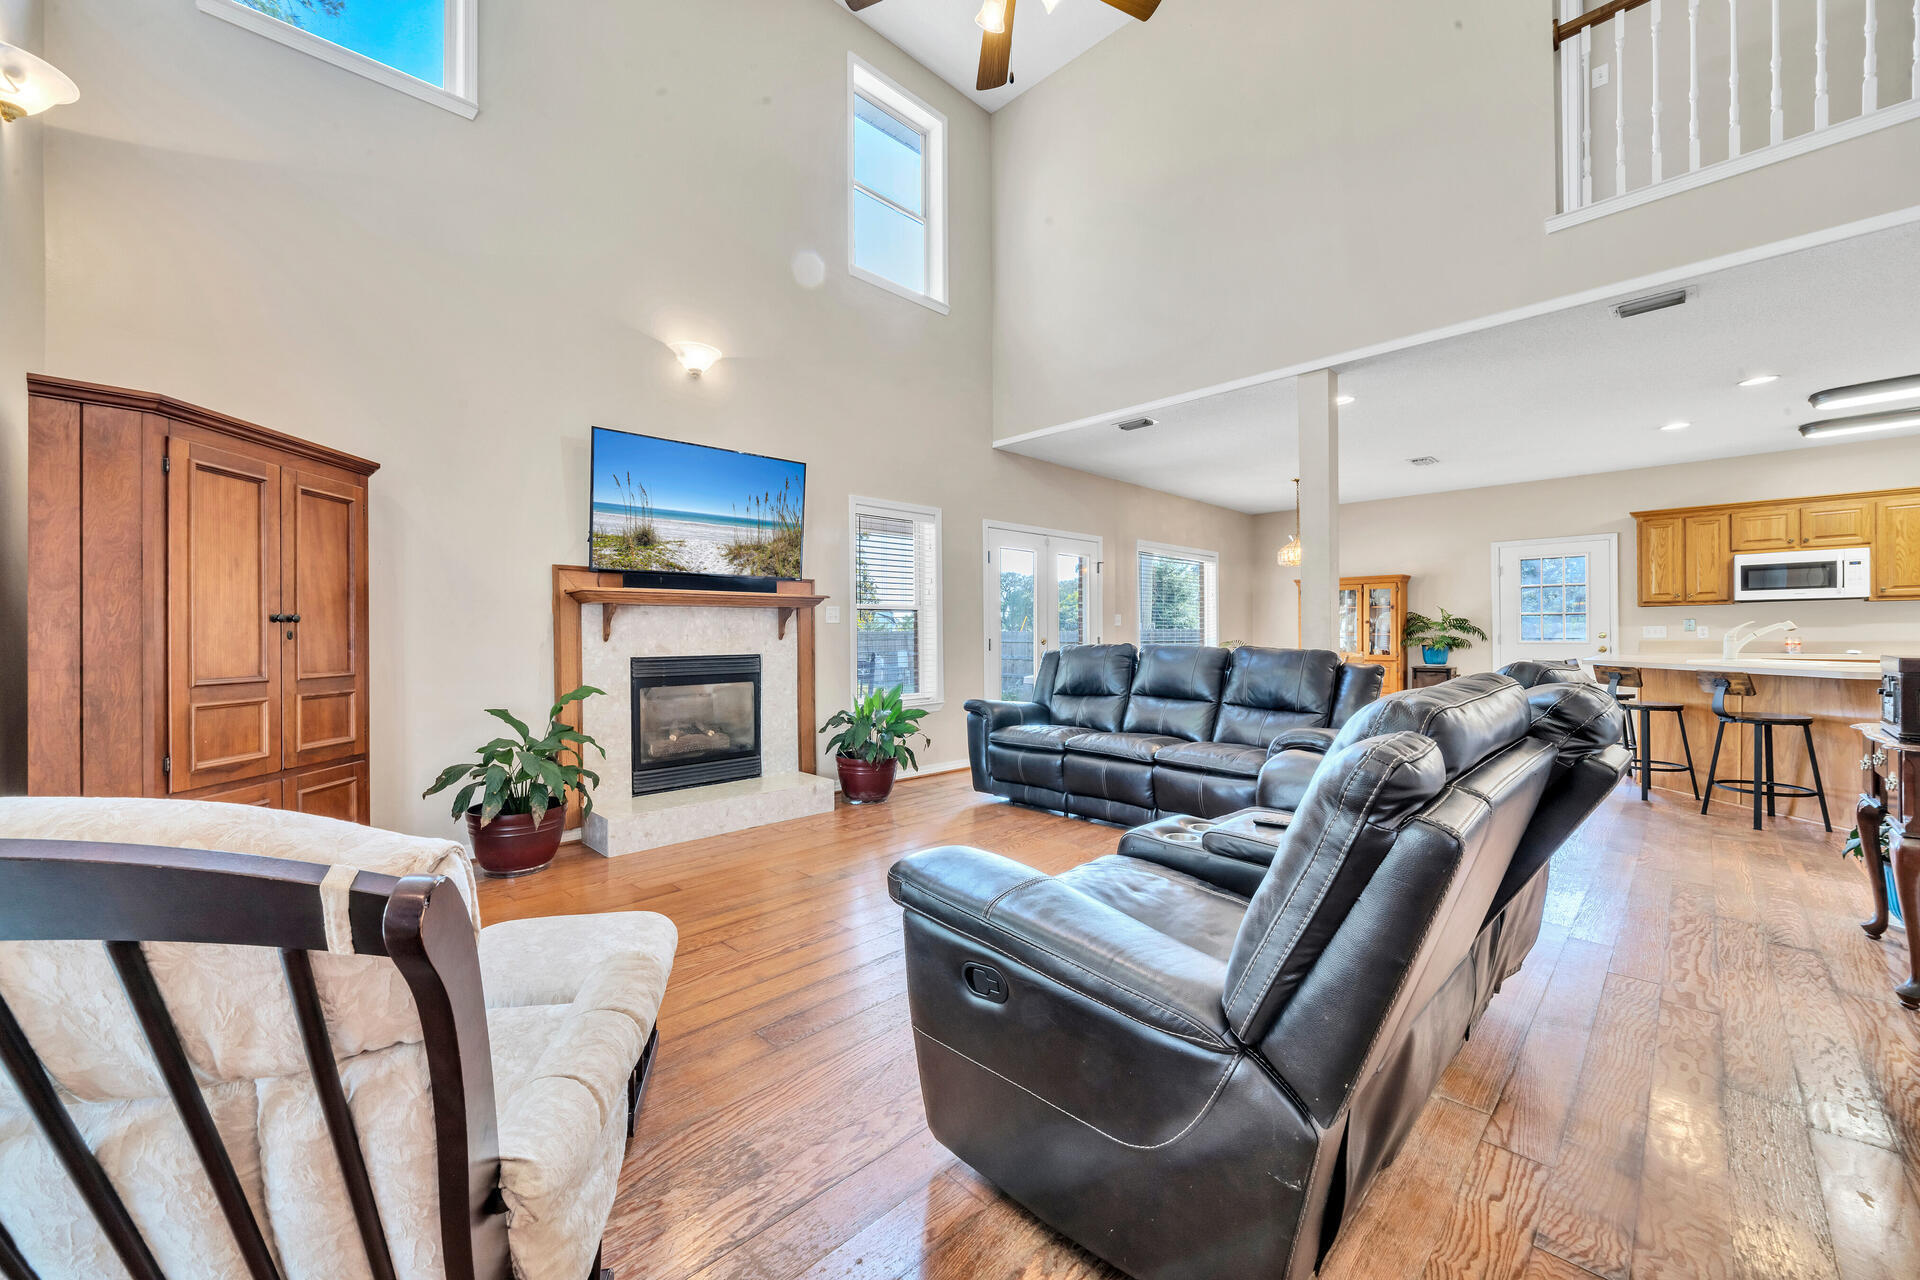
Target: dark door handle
[276,617]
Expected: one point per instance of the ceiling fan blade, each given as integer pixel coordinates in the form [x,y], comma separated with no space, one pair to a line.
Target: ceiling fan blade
[858,5]
[996,55]
[1141,9]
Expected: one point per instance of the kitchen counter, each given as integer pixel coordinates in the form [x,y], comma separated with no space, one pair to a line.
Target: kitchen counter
[1817,666]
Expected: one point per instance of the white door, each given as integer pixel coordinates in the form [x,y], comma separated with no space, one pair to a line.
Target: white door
[1555,598]
[1042,593]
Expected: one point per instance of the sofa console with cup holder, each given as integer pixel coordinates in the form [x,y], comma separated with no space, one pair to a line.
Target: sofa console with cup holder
[1126,736]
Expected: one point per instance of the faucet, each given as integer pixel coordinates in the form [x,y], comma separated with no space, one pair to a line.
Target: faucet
[1738,638]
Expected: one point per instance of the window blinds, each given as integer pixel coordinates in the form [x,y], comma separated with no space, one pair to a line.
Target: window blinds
[1177,598]
[896,601]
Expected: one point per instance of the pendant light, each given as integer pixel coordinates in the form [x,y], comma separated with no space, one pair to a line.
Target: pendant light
[1293,552]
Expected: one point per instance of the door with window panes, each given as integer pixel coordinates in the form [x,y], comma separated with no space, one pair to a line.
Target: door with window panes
[1554,599]
[1042,593]
[1372,619]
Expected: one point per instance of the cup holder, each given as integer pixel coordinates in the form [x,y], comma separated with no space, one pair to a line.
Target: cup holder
[1194,824]
[1183,837]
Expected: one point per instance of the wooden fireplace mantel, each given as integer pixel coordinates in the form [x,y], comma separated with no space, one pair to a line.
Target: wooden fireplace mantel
[575,585]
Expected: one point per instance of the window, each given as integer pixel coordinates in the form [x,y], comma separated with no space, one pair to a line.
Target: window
[1553,598]
[1179,595]
[896,599]
[421,47]
[897,211]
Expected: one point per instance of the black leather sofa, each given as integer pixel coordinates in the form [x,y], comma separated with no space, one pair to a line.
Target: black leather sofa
[1194,1082]
[1123,736]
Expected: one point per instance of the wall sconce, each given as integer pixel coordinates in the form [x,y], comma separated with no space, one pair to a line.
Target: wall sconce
[695,357]
[29,85]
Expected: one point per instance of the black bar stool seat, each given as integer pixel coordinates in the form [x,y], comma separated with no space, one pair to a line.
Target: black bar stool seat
[1622,683]
[1767,787]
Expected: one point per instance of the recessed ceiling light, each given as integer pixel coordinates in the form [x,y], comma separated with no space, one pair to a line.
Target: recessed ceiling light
[1866,393]
[1759,379]
[1676,426]
[1860,424]
[1343,401]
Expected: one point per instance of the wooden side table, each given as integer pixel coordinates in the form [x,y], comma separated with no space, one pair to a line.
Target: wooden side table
[1889,780]
[1420,676]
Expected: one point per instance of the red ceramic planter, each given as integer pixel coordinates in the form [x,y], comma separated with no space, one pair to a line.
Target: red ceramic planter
[512,844]
[866,783]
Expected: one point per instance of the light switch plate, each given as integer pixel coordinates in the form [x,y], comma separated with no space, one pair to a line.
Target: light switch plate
[833,613]
[1653,633]
[1116,619]
[1700,633]
[1600,76]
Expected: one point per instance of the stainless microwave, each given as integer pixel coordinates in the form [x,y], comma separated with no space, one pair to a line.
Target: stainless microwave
[1844,573]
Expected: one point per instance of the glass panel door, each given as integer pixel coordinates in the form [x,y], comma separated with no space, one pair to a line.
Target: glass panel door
[1553,600]
[1349,641]
[1380,637]
[1042,593]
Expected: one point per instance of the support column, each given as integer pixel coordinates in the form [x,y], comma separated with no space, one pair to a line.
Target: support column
[1319,506]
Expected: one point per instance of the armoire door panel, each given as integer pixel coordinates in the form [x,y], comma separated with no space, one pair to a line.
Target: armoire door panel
[223,583]
[54,680]
[336,791]
[323,563]
[112,530]
[261,795]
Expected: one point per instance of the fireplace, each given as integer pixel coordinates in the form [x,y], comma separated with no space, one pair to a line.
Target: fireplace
[696,721]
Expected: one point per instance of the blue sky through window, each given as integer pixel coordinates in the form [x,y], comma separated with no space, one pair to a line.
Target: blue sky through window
[888,161]
[407,35]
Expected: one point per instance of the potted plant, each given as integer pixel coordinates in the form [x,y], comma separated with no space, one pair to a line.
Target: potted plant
[1439,637]
[875,736]
[1855,848]
[521,786]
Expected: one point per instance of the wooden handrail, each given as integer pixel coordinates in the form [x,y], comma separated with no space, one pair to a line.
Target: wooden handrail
[1593,18]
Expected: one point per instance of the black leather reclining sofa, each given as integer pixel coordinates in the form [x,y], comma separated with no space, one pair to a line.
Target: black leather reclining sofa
[1194,1078]
[1178,728]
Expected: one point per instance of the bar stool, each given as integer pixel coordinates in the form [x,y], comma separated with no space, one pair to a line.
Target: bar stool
[1621,683]
[1766,786]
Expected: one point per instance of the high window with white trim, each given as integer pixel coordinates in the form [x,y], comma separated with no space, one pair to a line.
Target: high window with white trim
[896,599]
[897,179]
[421,47]
[1179,595]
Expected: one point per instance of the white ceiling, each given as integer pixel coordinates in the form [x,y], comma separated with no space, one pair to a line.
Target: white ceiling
[941,36]
[1574,393]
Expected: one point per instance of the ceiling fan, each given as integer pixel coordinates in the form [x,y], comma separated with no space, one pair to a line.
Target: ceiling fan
[996,47]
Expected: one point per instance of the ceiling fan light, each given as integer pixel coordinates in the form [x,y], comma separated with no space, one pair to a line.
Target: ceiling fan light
[992,17]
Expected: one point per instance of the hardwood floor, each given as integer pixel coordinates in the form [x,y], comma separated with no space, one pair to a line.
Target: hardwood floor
[1701,1072]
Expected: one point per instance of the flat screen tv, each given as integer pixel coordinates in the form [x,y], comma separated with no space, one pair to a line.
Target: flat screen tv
[666,506]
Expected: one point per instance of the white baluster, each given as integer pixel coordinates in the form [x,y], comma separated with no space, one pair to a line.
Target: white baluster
[1586,118]
[1777,118]
[1693,84]
[1870,72]
[1620,104]
[1733,78]
[1658,160]
[1820,104]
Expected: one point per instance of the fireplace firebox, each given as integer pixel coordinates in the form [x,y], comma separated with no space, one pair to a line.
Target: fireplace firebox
[696,721]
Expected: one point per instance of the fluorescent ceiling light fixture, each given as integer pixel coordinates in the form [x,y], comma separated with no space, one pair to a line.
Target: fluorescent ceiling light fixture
[1652,302]
[1676,426]
[1860,424]
[1343,401]
[1759,379]
[992,17]
[1866,393]
[695,357]
[1136,424]
[29,85]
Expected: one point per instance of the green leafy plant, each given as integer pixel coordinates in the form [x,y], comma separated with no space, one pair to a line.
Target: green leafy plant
[525,774]
[1856,848]
[878,727]
[1448,631]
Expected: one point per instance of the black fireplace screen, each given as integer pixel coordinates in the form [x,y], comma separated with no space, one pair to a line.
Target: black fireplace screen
[696,721]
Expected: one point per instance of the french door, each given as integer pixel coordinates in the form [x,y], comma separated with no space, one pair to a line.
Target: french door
[1042,593]
[1554,598]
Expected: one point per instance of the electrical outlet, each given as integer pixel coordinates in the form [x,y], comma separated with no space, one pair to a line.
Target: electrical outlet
[1600,76]
[1687,624]
[1116,619]
[1700,633]
[833,614]
[1653,633]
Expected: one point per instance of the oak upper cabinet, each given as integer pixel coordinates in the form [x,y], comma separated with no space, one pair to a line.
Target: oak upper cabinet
[1766,528]
[1896,547]
[1709,567]
[215,647]
[1837,522]
[1662,560]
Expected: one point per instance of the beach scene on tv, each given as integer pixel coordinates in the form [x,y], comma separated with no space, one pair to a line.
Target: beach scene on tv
[673,507]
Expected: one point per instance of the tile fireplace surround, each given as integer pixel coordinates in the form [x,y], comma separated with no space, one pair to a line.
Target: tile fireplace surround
[622,823]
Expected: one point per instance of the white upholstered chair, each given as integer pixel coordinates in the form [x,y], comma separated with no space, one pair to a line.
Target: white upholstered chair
[246,1044]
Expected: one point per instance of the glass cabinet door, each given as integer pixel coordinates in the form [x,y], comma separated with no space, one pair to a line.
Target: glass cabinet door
[1349,620]
[1381,641]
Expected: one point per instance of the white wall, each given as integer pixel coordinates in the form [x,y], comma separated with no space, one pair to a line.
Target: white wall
[1444,541]
[1240,186]
[238,225]
[22,350]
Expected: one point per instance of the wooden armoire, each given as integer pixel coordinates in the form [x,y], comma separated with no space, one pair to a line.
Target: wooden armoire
[197,606]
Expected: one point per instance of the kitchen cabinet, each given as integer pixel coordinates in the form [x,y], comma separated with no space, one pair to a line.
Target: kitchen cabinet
[1686,553]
